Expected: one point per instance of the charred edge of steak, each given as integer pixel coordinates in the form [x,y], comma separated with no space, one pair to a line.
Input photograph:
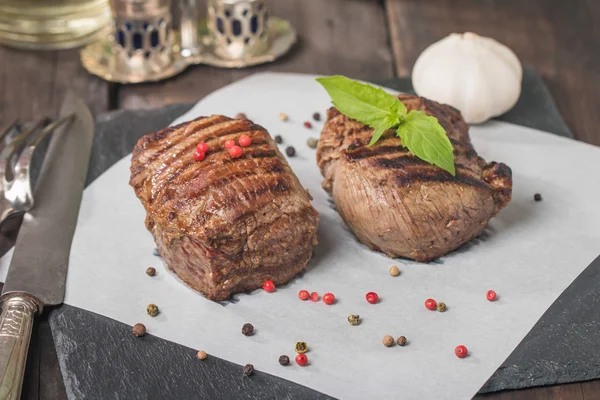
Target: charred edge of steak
[499,177]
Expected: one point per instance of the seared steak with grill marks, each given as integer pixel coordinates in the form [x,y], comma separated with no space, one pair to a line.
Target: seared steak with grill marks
[398,204]
[223,225]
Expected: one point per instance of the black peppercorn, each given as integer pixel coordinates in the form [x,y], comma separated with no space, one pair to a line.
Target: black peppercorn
[278,139]
[284,360]
[317,116]
[248,369]
[537,197]
[290,151]
[240,116]
[247,329]
[401,341]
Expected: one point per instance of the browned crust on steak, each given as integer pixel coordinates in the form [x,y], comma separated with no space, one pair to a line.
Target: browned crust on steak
[399,204]
[223,225]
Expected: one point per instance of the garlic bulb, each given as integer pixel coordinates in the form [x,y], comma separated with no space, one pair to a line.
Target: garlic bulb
[474,74]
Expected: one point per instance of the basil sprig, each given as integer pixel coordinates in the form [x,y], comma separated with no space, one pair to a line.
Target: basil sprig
[420,133]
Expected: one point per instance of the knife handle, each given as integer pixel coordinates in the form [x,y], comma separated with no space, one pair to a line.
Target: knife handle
[16,322]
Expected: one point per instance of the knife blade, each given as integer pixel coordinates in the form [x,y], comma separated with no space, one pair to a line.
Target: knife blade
[38,270]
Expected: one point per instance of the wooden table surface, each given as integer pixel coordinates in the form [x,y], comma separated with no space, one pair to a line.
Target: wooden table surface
[358,38]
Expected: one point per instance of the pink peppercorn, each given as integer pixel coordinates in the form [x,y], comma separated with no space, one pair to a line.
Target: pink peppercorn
[372,297]
[269,286]
[303,295]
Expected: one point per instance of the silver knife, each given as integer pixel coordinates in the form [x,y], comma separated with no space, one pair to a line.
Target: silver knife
[38,270]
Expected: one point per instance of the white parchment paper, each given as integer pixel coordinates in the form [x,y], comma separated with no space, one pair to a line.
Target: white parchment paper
[529,254]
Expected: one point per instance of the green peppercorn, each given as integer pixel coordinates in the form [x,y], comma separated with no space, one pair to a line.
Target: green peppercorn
[354,319]
[441,307]
[301,348]
[152,310]
[312,143]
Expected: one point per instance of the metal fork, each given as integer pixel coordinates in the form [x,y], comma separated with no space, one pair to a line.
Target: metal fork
[16,195]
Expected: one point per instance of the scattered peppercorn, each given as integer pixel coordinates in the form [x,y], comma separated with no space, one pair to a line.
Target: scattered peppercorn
[491,295]
[301,347]
[152,310]
[314,296]
[441,307]
[248,330]
[236,152]
[245,140]
[139,330]
[537,197]
[303,295]
[284,360]
[372,297]
[283,116]
[269,286]
[307,125]
[388,341]
[202,355]
[328,298]
[151,271]
[278,139]
[312,143]
[431,304]
[317,116]
[401,341]
[240,116]
[202,147]
[461,351]
[354,319]
[199,156]
[394,271]
[229,144]
[301,360]
[290,151]
[248,369]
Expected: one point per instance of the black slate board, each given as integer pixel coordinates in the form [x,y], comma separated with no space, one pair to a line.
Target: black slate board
[100,358]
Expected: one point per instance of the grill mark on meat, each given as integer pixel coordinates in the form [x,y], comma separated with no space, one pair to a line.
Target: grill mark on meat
[192,169]
[181,131]
[170,173]
[270,188]
[368,152]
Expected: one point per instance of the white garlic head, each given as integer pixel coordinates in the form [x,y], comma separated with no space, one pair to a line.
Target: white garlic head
[474,74]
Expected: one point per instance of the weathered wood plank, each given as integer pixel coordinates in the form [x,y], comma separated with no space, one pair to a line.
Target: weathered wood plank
[32,84]
[336,36]
[555,37]
[572,391]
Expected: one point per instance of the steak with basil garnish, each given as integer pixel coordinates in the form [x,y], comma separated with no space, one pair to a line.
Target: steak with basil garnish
[401,205]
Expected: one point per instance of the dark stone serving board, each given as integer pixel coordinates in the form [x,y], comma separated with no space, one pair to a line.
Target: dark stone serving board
[101,359]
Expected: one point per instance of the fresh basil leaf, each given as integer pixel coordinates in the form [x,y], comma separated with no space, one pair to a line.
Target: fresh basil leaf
[364,103]
[425,138]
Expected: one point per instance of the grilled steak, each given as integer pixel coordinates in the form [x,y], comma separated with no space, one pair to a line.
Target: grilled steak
[223,225]
[398,204]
